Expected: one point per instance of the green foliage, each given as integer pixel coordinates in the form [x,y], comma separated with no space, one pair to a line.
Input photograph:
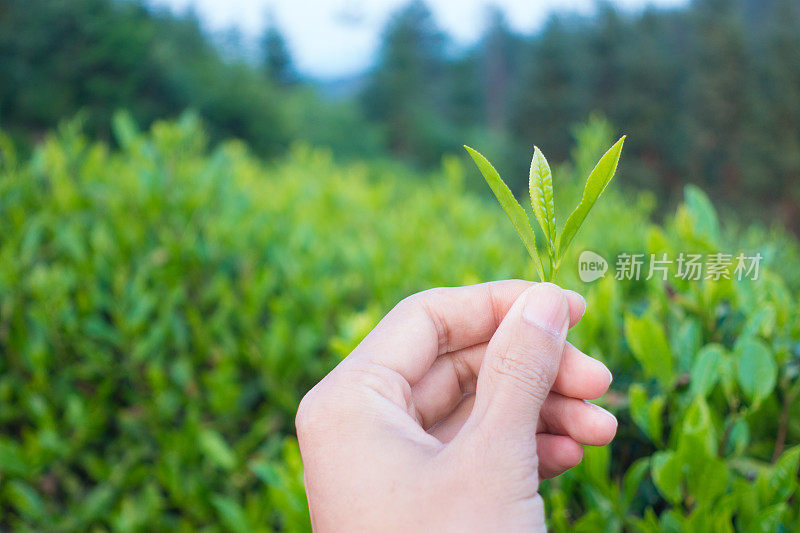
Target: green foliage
[542,201]
[596,183]
[756,369]
[708,92]
[275,56]
[515,212]
[96,56]
[163,307]
[648,343]
[540,188]
[406,89]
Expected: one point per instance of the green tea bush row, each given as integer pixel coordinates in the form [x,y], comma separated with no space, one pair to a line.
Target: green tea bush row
[164,306]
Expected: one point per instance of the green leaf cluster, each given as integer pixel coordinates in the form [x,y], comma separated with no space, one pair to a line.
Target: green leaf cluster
[165,304]
[540,186]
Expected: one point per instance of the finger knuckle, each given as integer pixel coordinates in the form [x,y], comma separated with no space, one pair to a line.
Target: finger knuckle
[523,372]
[308,416]
[429,302]
[383,381]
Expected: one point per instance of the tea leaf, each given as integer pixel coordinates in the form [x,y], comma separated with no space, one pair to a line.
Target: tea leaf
[706,224]
[782,477]
[769,519]
[597,460]
[124,128]
[649,345]
[633,479]
[710,481]
[647,412]
[540,185]
[739,437]
[215,447]
[510,205]
[757,371]
[666,471]
[25,499]
[231,513]
[596,183]
[698,434]
[705,371]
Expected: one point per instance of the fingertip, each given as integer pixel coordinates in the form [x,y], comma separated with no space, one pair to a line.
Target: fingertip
[600,377]
[604,426]
[581,376]
[573,452]
[557,454]
[576,303]
[577,306]
[546,306]
[583,421]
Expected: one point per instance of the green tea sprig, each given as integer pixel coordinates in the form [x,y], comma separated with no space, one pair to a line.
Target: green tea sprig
[540,185]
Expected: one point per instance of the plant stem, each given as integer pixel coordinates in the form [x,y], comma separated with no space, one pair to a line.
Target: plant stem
[780,438]
[723,443]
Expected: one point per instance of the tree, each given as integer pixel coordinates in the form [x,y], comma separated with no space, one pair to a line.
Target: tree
[465,104]
[775,140]
[607,39]
[58,58]
[276,57]
[720,95]
[548,98]
[500,66]
[649,98]
[406,90]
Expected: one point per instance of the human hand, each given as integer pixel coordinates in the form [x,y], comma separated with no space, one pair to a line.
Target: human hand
[451,410]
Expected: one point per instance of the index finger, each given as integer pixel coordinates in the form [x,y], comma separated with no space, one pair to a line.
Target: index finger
[437,321]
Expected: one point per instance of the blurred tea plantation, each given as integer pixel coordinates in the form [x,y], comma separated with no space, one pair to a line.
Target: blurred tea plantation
[167,295]
[165,303]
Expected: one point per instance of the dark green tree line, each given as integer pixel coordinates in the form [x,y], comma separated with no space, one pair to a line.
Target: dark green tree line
[97,56]
[709,94]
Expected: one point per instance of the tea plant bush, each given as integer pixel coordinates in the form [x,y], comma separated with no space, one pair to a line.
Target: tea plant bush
[164,305]
[707,396]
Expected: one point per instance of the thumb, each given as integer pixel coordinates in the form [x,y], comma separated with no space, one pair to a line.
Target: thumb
[521,363]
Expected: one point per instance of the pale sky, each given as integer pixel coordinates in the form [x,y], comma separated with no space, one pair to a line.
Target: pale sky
[338,38]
